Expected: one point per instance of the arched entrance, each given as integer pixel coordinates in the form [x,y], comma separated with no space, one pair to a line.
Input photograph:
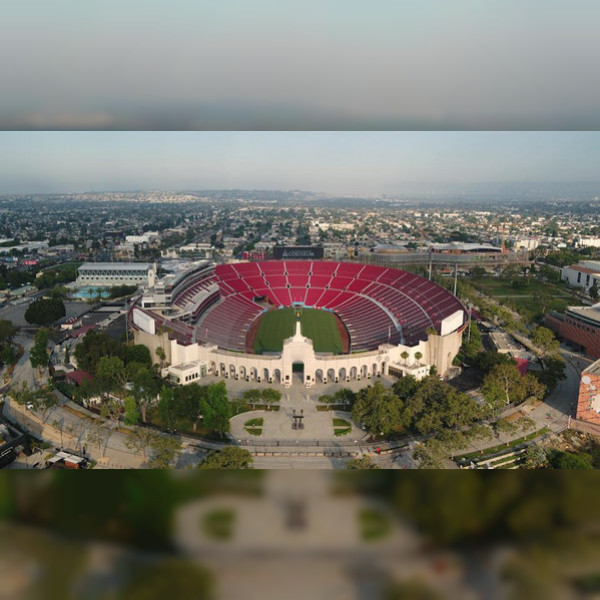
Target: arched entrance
[298,371]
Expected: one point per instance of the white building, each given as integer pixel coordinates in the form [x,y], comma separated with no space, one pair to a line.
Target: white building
[594,242]
[189,362]
[582,275]
[116,273]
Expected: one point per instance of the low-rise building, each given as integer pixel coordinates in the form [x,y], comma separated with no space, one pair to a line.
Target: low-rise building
[580,326]
[116,273]
[588,401]
[582,275]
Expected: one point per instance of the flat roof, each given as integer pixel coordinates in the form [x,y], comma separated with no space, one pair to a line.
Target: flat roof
[584,270]
[503,341]
[122,266]
[591,313]
[593,369]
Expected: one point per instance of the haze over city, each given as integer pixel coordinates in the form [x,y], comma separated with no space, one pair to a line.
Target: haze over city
[353,163]
[306,65]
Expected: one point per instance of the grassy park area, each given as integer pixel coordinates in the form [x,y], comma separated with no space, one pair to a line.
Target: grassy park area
[532,298]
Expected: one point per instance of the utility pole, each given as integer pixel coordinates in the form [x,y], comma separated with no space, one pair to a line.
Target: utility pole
[469,329]
[430,261]
[455,277]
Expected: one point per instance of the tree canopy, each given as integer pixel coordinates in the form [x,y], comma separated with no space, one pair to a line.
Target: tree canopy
[45,311]
[231,457]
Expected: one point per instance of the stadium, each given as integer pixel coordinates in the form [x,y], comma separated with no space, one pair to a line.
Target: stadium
[310,321]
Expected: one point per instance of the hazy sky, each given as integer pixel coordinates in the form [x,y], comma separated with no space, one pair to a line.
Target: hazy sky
[260,64]
[335,162]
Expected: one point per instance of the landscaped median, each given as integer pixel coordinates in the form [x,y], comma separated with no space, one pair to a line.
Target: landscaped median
[254,426]
[341,426]
[498,451]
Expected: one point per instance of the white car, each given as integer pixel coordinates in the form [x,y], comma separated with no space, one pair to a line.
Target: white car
[29,406]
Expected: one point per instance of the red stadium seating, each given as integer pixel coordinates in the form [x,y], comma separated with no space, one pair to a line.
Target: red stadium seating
[377,305]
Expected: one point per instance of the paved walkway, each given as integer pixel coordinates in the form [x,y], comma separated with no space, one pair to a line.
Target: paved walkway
[277,425]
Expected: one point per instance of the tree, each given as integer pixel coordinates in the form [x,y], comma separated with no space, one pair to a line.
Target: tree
[471,342]
[231,457]
[7,335]
[437,405]
[24,395]
[111,410]
[162,356]
[38,355]
[379,410]
[503,385]
[45,311]
[593,291]
[139,440]
[144,390]
[404,356]
[477,272]
[479,431]
[430,454]
[486,361]
[165,407]
[111,376]
[270,396]
[506,428]
[94,346]
[554,371]
[418,357]
[569,460]
[98,436]
[252,397]
[216,408]
[364,462]
[59,425]
[138,353]
[164,450]
[536,456]
[47,400]
[452,441]
[172,578]
[544,339]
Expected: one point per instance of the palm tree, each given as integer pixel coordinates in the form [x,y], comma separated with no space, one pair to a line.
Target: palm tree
[404,355]
[418,356]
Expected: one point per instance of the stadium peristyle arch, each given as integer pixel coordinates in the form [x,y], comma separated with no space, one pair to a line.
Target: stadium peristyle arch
[396,322]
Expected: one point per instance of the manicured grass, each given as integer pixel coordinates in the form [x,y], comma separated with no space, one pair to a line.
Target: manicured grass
[254,426]
[560,296]
[345,431]
[341,426]
[218,524]
[277,325]
[374,524]
[253,430]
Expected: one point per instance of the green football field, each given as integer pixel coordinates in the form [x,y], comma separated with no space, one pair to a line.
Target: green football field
[277,325]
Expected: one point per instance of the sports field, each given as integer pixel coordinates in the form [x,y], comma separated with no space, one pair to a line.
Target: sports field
[318,325]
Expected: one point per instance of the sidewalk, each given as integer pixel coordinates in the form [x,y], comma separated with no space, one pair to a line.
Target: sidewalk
[115,455]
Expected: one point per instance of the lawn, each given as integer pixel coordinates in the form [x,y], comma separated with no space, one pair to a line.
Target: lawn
[373,524]
[527,300]
[277,325]
[254,426]
[219,524]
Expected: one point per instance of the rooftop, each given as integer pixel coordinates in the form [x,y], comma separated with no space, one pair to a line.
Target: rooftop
[123,266]
[590,313]
[593,369]
[584,269]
